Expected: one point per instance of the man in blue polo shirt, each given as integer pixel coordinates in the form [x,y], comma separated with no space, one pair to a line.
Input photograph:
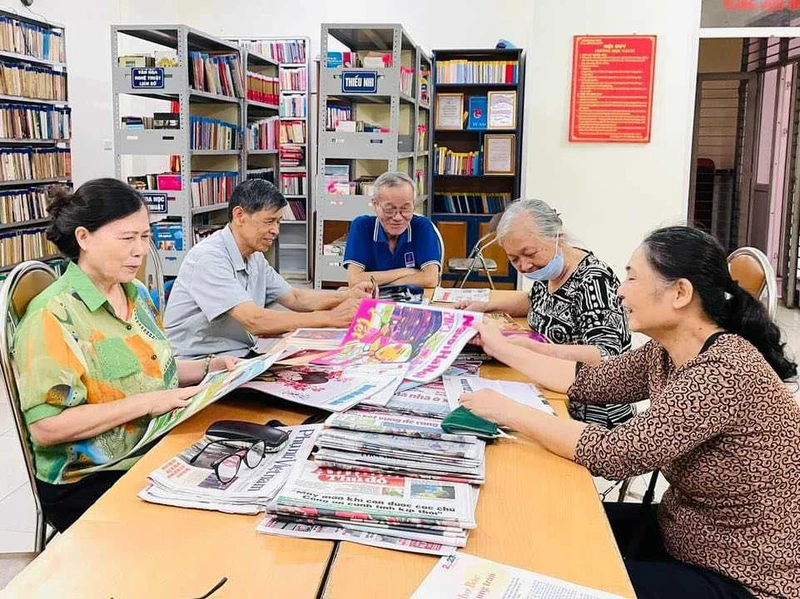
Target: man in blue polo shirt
[396,246]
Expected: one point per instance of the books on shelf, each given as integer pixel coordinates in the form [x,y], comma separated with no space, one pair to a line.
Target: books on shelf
[477,71]
[168,236]
[470,203]
[25,121]
[37,83]
[293,183]
[213,134]
[200,232]
[32,40]
[293,132]
[28,244]
[293,106]
[263,134]
[219,74]
[285,51]
[262,88]
[293,80]
[425,85]
[448,162]
[292,156]
[335,113]
[421,181]
[159,58]
[156,182]
[406,80]
[20,164]
[294,210]
[21,205]
[268,174]
[159,120]
[422,137]
[211,188]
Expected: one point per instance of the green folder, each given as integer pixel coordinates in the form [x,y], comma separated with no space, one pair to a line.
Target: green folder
[461,421]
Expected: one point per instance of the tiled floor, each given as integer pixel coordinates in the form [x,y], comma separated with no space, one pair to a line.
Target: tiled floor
[17,520]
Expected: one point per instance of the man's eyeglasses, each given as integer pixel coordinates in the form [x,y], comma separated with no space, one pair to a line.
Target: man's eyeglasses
[251,452]
[390,212]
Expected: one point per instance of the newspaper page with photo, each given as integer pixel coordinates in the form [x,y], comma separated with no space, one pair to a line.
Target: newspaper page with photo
[316,491]
[427,339]
[183,483]
[525,393]
[329,388]
[464,576]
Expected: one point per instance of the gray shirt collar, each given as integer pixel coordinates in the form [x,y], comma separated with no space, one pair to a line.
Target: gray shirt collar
[233,249]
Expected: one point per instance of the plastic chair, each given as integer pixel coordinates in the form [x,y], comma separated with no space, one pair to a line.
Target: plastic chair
[476,262]
[441,249]
[751,269]
[154,258]
[23,284]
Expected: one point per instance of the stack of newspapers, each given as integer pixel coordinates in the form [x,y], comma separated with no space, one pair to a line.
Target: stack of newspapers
[183,483]
[399,445]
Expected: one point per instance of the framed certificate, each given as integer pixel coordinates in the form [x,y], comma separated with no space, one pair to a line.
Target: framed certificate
[450,111]
[502,111]
[499,154]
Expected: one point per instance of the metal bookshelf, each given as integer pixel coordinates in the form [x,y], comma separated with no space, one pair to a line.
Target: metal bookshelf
[374,96]
[172,84]
[18,222]
[292,256]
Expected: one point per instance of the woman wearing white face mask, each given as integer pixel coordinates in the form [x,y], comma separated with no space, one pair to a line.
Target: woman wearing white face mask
[573,301]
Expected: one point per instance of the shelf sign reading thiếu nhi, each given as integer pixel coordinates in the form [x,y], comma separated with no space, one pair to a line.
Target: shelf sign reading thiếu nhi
[359,82]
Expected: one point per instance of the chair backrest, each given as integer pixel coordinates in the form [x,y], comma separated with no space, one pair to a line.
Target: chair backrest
[751,269]
[23,284]
[153,259]
[441,249]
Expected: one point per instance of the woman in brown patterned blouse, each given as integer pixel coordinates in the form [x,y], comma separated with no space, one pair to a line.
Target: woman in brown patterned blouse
[721,426]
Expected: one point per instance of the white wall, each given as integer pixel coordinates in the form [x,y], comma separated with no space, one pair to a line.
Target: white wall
[611,195]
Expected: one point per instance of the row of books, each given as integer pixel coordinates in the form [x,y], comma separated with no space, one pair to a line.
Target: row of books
[293,80]
[368,59]
[158,58]
[263,134]
[200,232]
[425,85]
[168,236]
[293,106]
[406,80]
[477,71]
[31,40]
[18,246]
[293,51]
[335,113]
[360,127]
[23,164]
[470,203]
[211,188]
[294,210]
[219,74]
[156,182]
[159,120]
[32,82]
[213,134]
[292,156]
[293,132]
[26,121]
[293,184]
[20,205]
[262,88]
[362,186]
[447,162]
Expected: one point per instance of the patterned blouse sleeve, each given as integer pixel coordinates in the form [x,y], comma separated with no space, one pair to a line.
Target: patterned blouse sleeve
[695,407]
[51,367]
[600,318]
[618,380]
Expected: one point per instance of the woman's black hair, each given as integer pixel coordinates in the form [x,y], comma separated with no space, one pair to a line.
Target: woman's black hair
[686,253]
[94,204]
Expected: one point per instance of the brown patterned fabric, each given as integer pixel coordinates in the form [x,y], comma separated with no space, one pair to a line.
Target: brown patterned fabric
[725,433]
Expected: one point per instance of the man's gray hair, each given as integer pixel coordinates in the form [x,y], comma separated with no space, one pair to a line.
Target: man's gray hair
[390,180]
[546,221]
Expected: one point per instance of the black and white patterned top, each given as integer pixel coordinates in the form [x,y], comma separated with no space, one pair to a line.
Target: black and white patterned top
[585,310]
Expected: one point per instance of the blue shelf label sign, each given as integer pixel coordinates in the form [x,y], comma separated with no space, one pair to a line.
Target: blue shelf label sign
[359,82]
[147,77]
[156,202]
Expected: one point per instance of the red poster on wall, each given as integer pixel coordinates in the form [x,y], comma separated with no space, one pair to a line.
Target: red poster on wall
[612,88]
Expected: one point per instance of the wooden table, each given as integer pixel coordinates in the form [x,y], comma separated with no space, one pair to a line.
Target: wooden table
[536,511]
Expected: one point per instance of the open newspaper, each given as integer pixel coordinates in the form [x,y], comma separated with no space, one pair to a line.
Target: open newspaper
[316,338]
[427,339]
[329,388]
[457,296]
[348,495]
[524,393]
[464,576]
[394,424]
[181,483]
[429,399]
[334,532]
[218,384]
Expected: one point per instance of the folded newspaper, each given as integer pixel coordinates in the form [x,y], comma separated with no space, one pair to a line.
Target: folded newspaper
[524,393]
[395,424]
[183,484]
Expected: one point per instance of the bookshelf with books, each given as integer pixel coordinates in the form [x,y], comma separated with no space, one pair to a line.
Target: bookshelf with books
[373,118]
[179,102]
[292,123]
[475,143]
[35,132]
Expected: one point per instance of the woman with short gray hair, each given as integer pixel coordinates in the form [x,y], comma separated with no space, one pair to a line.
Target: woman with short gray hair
[573,299]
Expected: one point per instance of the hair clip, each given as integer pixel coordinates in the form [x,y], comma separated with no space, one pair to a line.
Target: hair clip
[728,296]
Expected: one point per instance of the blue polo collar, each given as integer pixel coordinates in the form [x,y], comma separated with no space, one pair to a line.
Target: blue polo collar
[379,235]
